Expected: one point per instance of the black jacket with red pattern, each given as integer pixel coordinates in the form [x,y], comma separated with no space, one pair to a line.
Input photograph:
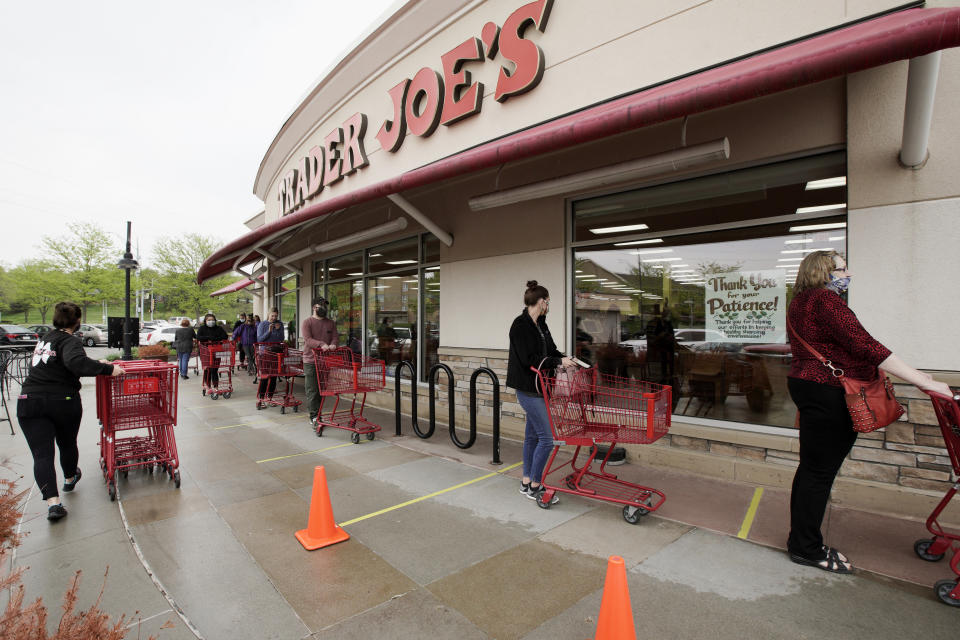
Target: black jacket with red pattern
[824,320]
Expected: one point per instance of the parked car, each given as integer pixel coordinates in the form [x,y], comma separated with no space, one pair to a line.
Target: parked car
[41,329]
[693,339]
[158,335]
[402,333]
[92,336]
[15,335]
[176,320]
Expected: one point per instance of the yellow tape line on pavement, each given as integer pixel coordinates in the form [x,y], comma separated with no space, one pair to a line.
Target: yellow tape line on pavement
[422,498]
[306,453]
[751,514]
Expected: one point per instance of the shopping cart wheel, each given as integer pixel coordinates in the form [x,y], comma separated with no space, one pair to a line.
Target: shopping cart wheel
[214,396]
[227,394]
[355,438]
[176,479]
[112,492]
[922,547]
[296,408]
[319,431]
[370,435]
[543,501]
[943,588]
[260,405]
[633,514]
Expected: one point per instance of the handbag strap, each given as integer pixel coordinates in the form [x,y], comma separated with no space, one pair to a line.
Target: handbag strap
[837,372]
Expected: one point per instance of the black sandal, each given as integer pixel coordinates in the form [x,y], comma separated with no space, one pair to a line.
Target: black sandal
[68,486]
[834,562]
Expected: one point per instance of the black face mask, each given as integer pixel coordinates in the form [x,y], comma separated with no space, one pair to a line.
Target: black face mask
[321,312]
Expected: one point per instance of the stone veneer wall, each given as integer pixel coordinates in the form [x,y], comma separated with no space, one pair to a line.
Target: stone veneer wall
[903,468]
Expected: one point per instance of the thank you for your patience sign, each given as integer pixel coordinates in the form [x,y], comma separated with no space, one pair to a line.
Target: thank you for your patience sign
[747,306]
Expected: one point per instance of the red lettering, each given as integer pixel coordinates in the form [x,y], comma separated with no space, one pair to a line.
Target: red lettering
[392,132]
[353,153]
[333,166]
[526,55]
[315,163]
[300,179]
[458,104]
[422,109]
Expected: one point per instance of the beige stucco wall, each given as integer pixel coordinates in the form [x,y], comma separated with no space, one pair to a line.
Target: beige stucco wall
[481,297]
[905,262]
[592,51]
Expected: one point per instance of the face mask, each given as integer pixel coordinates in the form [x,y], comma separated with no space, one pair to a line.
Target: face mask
[321,312]
[838,285]
[211,323]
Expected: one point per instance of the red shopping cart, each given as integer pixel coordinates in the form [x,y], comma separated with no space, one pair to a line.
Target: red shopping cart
[339,372]
[277,360]
[138,411]
[217,358]
[934,549]
[587,407]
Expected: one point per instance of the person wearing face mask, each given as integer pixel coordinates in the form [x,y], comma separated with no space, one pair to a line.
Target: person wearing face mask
[319,332]
[49,409]
[245,336]
[531,345]
[819,316]
[210,331]
[270,330]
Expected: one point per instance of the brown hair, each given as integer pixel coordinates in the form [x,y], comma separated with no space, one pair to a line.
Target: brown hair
[814,270]
[66,315]
[184,323]
[534,293]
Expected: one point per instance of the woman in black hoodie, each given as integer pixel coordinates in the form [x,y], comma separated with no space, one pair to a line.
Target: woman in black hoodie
[210,331]
[532,346]
[49,409]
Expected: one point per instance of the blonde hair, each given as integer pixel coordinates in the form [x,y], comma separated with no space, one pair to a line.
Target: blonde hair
[814,270]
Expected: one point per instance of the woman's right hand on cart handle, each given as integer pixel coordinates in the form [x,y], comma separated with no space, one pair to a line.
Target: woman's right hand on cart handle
[923,381]
[117,370]
[567,362]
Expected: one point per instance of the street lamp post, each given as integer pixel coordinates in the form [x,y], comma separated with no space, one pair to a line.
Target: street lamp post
[128,264]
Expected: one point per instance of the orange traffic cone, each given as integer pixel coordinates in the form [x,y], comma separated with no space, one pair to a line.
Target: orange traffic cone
[321,530]
[615,621]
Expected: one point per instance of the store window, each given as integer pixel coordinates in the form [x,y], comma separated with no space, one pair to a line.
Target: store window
[688,283]
[380,288]
[287,302]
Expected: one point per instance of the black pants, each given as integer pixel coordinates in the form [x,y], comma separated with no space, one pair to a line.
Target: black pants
[45,420]
[211,377]
[826,437]
[267,386]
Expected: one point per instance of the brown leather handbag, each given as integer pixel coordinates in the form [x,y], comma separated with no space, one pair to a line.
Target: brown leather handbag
[872,405]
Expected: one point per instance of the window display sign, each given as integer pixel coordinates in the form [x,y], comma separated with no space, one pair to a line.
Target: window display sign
[747,306]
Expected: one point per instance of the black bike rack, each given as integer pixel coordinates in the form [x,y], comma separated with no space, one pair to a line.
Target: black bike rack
[413,397]
[496,410]
[432,385]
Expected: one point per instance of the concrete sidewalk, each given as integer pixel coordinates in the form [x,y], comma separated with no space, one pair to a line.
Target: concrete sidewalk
[474,560]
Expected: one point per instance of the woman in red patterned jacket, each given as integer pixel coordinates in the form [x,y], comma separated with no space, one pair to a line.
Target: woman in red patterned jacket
[820,316]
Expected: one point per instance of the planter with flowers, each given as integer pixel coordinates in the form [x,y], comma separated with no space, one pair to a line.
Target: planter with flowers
[159,352]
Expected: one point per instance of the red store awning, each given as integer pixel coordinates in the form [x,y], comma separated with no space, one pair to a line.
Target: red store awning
[234,287]
[890,38]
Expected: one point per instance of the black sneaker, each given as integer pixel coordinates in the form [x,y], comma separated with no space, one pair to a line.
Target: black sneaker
[525,488]
[68,486]
[535,494]
[55,512]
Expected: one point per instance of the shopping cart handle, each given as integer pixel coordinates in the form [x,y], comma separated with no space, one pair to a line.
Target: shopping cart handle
[940,396]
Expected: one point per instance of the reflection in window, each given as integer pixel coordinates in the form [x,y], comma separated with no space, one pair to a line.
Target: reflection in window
[705,313]
[431,318]
[345,308]
[287,303]
[392,302]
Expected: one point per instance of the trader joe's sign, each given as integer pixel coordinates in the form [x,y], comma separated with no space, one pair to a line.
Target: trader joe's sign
[747,306]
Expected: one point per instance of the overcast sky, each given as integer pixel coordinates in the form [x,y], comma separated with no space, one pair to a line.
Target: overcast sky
[158,113]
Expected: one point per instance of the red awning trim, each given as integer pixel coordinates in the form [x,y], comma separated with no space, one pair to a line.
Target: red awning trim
[898,36]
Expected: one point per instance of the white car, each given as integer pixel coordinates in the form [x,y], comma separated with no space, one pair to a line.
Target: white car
[92,335]
[693,339]
[158,335]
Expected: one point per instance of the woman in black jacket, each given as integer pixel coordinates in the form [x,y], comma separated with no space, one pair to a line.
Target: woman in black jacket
[210,331]
[532,346]
[49,409]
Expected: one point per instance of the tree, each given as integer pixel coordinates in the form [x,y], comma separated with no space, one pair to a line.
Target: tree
[88,255]
[39,285]
[177,261]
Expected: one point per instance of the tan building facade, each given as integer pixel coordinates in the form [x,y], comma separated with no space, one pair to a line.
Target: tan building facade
[631,157]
